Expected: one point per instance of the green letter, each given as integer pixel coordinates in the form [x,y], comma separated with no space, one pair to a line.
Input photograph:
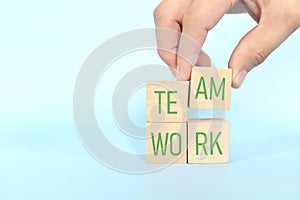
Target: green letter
[201,82]
[179,144]
[202,144]
[171,102]
[159,143]
[213,85]
[213,143]
[159,99]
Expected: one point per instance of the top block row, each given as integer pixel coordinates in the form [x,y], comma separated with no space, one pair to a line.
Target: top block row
[209,88]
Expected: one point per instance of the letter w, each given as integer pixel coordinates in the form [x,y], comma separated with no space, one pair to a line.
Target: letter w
[159,144]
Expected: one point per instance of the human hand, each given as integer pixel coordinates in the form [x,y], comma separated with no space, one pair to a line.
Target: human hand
[276,20]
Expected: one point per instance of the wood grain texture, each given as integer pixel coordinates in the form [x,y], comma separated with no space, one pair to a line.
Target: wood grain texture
[208,141]
[167,101]
[171,147]
[210,88]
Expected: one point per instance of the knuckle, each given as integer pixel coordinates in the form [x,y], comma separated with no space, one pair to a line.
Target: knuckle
[158,13]
[196,19]
[257,56]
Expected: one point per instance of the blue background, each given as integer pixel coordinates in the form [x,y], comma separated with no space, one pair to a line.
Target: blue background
[42,47]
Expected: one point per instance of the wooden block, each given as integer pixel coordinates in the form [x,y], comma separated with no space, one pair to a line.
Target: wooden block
[166,143]
[167,101]
[210,88]
[208,141]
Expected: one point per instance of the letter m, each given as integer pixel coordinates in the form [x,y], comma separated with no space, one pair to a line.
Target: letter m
[217,92]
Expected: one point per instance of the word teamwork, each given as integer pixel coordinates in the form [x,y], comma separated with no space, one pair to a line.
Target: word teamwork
[173,138]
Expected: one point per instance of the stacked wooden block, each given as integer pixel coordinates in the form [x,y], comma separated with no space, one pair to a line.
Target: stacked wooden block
[171,136]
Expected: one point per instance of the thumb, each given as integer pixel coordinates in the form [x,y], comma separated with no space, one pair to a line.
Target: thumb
[255,47]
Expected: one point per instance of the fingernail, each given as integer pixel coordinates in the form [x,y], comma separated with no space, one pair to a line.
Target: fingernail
[240,77]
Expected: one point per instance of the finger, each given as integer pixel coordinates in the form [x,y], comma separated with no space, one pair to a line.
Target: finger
[237,8]
[203,60]
[167,44]
[256,46]
[202,16]
[167,17]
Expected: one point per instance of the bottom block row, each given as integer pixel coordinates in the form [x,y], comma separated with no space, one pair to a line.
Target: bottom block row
[197,141]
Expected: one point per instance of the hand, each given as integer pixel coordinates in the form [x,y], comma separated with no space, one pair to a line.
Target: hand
[276,20]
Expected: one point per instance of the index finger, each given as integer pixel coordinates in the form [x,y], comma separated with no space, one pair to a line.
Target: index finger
[201,17]
[168,16]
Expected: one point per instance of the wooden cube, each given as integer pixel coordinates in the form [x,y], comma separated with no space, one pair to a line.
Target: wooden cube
[208,141]
[210,88]
[167,101]
[166,143]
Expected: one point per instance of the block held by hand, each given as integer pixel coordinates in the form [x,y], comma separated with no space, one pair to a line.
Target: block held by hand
[210,88]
